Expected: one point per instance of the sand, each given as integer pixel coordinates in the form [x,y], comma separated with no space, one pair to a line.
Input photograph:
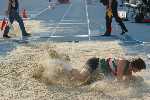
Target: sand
[21,73]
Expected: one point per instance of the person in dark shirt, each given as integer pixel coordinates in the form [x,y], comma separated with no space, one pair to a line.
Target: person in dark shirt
[111,11]
[13,14]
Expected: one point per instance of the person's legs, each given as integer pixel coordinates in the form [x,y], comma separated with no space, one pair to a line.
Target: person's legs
[108,25]
[21,24]
[6,31]
[117,18]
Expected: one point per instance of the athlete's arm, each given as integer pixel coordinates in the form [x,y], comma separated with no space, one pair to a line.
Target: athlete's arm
[120,69]
[79,75]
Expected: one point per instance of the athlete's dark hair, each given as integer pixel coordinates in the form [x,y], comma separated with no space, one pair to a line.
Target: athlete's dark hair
[92,63]
[138,63]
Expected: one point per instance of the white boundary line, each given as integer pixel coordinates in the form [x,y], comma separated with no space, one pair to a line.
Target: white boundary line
[67,20]
[88,21]
[60,27]
[72,23]
[82,36]
[62,19]
[40,12]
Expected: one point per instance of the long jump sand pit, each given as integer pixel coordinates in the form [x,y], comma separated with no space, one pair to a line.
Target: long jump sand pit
[29,72]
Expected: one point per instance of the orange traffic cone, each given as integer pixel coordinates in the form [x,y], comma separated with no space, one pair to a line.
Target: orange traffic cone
[3,25]
[24,14]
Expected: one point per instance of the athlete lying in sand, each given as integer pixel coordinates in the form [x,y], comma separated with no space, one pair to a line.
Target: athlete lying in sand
[121,69]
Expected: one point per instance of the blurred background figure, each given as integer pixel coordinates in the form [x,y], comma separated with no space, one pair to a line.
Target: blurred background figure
[112,11]
[63,1]
[49,3]
[24,13]
[13,14]
[52,3]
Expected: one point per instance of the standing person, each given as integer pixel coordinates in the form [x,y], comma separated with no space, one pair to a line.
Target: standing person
[49,3]
[111,11]
[52,4]
[13,14]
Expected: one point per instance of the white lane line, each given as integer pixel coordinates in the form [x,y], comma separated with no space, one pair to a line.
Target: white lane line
[88,21]
[35,15]
[61,19]
[56,36]
[72,23]
[60,27]
[67,20]
[80,36]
